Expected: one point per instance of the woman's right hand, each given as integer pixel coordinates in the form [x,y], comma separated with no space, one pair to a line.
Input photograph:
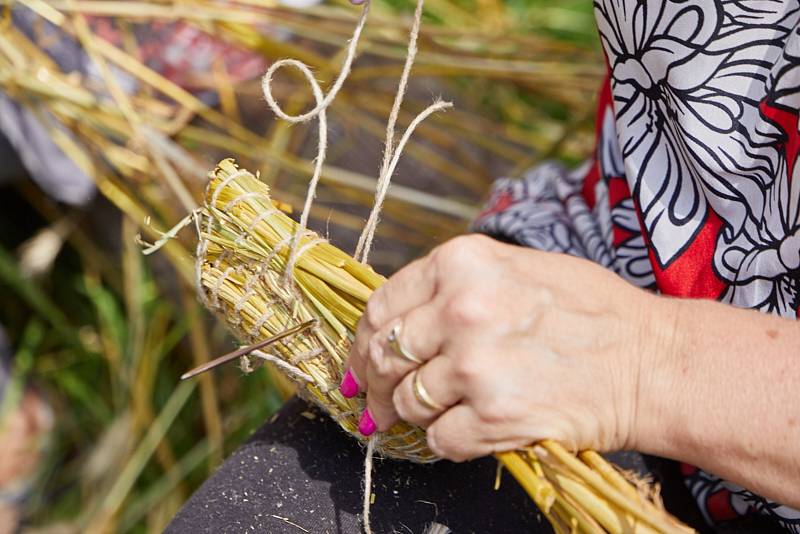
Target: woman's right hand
[516,346]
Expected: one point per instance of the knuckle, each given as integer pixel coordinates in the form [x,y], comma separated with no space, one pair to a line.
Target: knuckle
[458,250]
[443,446]
[458,254]
[375,310]
[498,411]
[467,309]
[401,404]
[379,365]
[467,368]
[491,411]
[358,351]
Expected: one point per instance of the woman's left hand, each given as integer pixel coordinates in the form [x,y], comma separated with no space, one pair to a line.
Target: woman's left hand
[516,346]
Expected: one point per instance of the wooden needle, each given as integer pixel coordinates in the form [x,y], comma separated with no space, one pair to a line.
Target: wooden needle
[248,349]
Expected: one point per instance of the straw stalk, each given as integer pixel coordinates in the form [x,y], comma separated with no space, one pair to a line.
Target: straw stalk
[243,251]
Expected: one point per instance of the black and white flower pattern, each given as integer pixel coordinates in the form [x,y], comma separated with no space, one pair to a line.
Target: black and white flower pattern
[696,172]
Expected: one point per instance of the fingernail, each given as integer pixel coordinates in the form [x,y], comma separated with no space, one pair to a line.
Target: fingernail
[366,425]
[349,385]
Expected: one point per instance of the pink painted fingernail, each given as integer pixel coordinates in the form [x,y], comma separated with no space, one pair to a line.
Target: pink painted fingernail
[366,425]
[349,385]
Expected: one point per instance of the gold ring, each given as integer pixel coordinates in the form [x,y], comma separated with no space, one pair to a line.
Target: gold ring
[394,341]
[423,396]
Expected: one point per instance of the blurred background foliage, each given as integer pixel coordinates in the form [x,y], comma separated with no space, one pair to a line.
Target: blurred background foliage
[103,333]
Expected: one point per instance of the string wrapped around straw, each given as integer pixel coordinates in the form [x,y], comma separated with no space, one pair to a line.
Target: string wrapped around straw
[265,274]
[244,249]
[243,252]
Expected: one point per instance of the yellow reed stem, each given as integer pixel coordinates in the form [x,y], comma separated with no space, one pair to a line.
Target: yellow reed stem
[537,488]
[243,279]
[599,464]
[595,480]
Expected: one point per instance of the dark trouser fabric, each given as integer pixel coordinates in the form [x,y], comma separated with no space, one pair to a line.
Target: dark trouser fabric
[308,471]
[300,472]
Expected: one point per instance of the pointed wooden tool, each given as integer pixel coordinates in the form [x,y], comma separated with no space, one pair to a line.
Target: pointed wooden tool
[248,349]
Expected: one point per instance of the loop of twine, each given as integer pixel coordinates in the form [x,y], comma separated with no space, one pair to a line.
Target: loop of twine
[322,103]
[391,153]
[391,157]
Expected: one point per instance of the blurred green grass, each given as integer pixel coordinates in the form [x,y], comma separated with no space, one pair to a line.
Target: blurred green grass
[106,349]
[105,333]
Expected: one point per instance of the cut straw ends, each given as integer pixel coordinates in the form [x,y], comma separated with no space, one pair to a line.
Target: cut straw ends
[243,252]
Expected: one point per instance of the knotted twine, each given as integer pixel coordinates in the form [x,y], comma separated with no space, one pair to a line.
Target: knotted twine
[391,156]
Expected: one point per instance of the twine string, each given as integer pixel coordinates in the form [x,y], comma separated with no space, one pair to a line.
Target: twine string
[371,226]
[322,149]
[390,153]
[266,83]
[388,147]
[368,461]
[391,156]
[319,112]
[286,366]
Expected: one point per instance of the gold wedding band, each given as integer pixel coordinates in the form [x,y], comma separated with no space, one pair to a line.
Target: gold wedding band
[423,396]
[393,339]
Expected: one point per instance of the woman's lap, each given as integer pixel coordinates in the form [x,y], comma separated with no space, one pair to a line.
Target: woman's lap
[301,468]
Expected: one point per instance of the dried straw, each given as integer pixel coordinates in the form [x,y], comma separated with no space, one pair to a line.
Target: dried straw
[245,243]
[243,250]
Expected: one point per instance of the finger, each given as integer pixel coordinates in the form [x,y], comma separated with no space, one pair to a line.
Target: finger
[412,284]
[418,335]
[403,345]
[411,287]
[436,377]
[354,379]
[384,369]
[457,435]
[379,373]
[388,362]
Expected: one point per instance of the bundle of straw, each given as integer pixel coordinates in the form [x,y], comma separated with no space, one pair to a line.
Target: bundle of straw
[143,138]
[247,275]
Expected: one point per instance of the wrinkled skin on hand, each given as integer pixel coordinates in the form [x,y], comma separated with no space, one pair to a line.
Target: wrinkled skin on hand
[518,345]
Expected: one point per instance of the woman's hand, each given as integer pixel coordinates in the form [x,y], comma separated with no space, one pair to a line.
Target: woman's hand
[517,346]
